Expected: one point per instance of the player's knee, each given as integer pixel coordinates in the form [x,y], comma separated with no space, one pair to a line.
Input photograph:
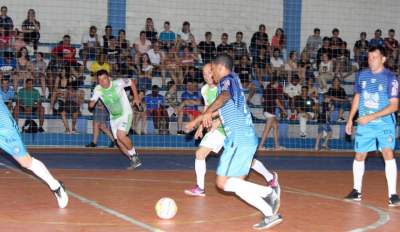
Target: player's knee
[200,155]
[220,182]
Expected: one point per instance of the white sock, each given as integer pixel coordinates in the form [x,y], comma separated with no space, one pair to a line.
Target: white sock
[391,175]
[200,169]
[250,193]
[358,172]
[132,151]
[260,168]
[40,170]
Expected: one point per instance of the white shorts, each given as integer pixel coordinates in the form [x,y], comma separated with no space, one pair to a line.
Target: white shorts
[214,140]
[123,123]
[269,115]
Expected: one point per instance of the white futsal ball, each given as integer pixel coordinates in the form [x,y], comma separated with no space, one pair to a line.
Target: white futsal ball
[166,208]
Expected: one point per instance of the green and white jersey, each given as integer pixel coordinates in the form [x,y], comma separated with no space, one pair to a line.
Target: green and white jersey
[209,96]
[114,97]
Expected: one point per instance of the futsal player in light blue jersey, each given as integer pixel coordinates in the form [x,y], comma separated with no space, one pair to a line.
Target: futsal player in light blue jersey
[376,93]
[10,142]
[240,144]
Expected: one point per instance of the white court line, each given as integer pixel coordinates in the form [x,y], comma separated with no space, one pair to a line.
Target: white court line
[96,205]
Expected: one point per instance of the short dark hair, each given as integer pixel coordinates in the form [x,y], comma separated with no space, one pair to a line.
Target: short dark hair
[381,49]
[239,33]
[363,33]
[378,30]
[391,30]
[186,23]
[40,54]
[224,60]
[224,34]
[66,37]
[304,87]
[4,7]
[93,27]
[170,84]
[167,22]
[208,33]
[317,30]
[102,72]
[28,80]
[108,26]
[335,30]
[155,87]
[326,39]
[142,32]
[261,26]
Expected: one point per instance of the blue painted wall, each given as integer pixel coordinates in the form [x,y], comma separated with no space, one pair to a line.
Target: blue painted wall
[117,15]
[292,23]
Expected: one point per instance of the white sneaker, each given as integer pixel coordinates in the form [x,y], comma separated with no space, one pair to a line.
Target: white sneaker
[61,196]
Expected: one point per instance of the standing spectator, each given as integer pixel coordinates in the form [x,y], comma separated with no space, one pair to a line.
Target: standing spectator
[305,107]
[90,45]
[392,45]
[100,123]
[361,51]
[314,42]
[113,56]
[261,64]
[108,34]
[123,43]
[155,106]
[99,64]
[258,40]
[29,102]
[377,41]
[151,33]
[245,75]
[141,46]
[31,28]
[190,101]
[139,115]
[336,96]
[185,36]
[171,99]
[167,37]
[70,105]
[271,100]
[279,41]
[224,47]
[5,21]
[325,71]
[326,48]
[336,44]
[324,128]
[207,49]
[292,90]
[39,72]
[239,47]
[7,93]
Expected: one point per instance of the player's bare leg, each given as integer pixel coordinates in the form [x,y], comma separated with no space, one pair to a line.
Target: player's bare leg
[126,146]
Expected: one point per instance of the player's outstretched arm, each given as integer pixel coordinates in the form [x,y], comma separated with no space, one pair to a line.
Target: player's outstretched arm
[216,105]
[353,111]
[135,92]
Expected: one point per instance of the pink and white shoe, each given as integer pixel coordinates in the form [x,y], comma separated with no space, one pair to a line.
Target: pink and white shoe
[274,184]
[195,192]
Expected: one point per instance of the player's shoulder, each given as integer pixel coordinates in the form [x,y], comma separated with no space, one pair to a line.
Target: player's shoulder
[204,89]
[97,89]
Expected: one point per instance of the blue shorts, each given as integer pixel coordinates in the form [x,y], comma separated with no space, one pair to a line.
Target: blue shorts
[236,160]
[324,127]
[373,137]
[10,140]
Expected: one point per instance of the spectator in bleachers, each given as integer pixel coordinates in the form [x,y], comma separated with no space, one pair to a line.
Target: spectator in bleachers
[24,67]
[172,65]
[392,45]
[324,127]
[107,35]
[190,101]
[343,63]
[69,104]
[5,21]
[155,106]
[239,47]
[314,42]
[187,60]
[258,40]
[277,63]
[54,69]
[171,99]
[39,72]
[291,66]
[224,46]
[100,123]
[305,106]
[113,56]
[336,96]
[207,48]
[261,64]
[312,90]
[99,64]
[30,28]
[361,51]
[305,70]
[7,93]
[377,40]
[146,73]
[18,42]
[151,33]
[292,90]
[67,52]
[279,41]
[326,48]
[8,67]
[157,57]
[325,71]
[271,101]
[123,43]
[336,44]
[29,102]
[244,71]
[139,116]
[185,36]
[167,37]
[90,45]
[5,41]
[128,68]
[141,46]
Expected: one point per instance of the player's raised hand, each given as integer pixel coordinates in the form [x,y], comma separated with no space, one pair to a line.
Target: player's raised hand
[349,127]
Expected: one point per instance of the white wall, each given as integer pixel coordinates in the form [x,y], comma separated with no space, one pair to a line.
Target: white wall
[350,17]
[59,17]
[206,15]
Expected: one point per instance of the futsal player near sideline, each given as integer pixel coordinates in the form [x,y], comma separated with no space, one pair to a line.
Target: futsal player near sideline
[240,145]
[376,98]
[10,142]
[112,94]
[214,141]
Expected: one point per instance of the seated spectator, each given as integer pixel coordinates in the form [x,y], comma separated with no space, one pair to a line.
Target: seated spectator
[185,36]
[141,46]
[312,90]
[207,49]
[325,71]
[24,68]
[324,128]
[258,40]
[314,42]
[18,42]
[187,60]
[336,95]
[224,46]
[157,57]
[336,44]
[30,28]
[99,64]
[146,73]
[100,123]
[7,93]
[272,100]
[113,56]
[279,42]
[292,90]
[67,52]
[5,21]
[8,67]
[343,64]
[190,100]
[245,75]
[305,107]
[326,48]
[29,102]
[172,65]
[277,64]
[90,45]
[360,50]
[69,104]
[391,45]
[128,68]
[155,106]
[151,33]
[305,70]
[108,35]
[261,64]
[5,41]
[54,69]
[39,72]
[167,37]
[171,99]
[291,66]
[139,116]
[239,47]
[377,40]
[123,43]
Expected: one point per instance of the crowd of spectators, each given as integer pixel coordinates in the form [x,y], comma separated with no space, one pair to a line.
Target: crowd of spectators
[295,86]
